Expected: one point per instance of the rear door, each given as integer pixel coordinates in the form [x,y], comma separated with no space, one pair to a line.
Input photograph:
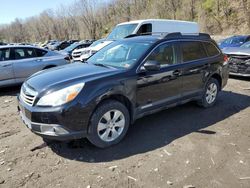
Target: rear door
[6,67]
[195,66]
[26,63]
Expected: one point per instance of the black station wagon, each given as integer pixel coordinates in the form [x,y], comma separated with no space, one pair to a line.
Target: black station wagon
[124,81]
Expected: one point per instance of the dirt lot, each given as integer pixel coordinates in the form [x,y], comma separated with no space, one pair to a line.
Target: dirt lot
[182,146]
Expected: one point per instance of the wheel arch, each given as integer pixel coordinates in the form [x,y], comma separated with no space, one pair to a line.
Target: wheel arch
[120,98]
[218,78]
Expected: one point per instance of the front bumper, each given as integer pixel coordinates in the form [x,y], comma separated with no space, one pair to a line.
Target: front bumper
[60,123]
[239,74]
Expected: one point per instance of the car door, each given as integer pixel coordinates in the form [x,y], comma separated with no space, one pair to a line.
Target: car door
[195,65]
[162,87]
[26,63]
[6,67]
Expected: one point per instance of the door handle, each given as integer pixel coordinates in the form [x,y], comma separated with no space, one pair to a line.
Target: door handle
[176,73]
[39,60]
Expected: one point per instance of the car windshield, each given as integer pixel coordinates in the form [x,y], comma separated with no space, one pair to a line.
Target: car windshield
[246,45]
[234,40]
[122,31]
[71,47]
[120,54]
[96,42]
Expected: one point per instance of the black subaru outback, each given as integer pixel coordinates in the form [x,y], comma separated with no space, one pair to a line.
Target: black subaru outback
[122,82]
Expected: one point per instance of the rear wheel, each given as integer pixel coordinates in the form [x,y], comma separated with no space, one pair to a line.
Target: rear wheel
[108,124]
[210,94]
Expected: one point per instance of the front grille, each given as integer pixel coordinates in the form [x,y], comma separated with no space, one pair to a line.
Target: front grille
[238,64]
[28,95]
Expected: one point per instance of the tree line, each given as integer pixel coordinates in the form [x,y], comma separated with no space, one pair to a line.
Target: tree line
[93,19]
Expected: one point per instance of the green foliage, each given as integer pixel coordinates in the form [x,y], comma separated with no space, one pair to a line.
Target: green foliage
[208,5]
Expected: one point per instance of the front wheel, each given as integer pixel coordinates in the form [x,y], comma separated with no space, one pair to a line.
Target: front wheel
[210,94]
[108,124]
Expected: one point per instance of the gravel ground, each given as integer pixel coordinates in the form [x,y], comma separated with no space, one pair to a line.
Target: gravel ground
[181,147]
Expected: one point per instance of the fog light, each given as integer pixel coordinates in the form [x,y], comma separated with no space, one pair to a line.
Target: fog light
[53,130]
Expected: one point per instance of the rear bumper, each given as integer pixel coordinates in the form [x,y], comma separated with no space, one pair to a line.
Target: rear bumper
[55,124]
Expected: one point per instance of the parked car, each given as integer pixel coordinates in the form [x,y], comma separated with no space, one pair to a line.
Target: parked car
[19,62]
[239,60]
[76,54]
[148,26]
[77,45]
[2,43]
[234,41]
[124,81]
[48,42]
[88,52]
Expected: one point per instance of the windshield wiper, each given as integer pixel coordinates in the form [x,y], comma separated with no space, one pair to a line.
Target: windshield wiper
[101,65]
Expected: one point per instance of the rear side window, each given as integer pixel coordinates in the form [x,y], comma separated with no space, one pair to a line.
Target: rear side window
[4,54]
[192,51]
[19,53]
[145,28]
[23,53]
[40,52]
[211,49]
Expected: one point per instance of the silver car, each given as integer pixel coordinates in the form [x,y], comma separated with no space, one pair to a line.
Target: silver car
[239,60]
[19,62]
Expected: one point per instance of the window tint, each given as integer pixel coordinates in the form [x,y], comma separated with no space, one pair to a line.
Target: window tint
[4,54]
[19,53]
[211,49]
[145,28]
[164,54]
[30,53]
[192,51]
[40,52]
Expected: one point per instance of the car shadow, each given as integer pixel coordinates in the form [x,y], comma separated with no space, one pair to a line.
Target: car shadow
[158,130]
[10,91]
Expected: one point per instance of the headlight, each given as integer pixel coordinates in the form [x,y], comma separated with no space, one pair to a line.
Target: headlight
[61,96]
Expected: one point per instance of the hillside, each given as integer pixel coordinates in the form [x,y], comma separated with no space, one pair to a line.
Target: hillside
[94,19]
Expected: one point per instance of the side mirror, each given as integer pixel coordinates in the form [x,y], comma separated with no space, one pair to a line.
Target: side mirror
[152,65]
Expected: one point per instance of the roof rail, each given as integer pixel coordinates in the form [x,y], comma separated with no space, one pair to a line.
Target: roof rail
[175,35]
[186,35]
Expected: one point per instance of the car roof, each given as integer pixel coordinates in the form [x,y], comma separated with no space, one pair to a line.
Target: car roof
[155,20]
[19,46]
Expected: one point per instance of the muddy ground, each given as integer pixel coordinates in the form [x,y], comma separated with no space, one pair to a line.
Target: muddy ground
[179,147]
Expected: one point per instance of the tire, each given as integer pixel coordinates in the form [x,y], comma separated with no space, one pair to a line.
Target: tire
[108,124]
[212,89]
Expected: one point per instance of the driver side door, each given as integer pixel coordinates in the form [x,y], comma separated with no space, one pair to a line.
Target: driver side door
[156,89]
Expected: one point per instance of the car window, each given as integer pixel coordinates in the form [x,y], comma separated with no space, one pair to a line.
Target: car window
[211,49]
[19,53]
[192,51]
[164,54]
[145,28]
[120,54]
[4,54]
[40,52]
[23,53]
[30,53]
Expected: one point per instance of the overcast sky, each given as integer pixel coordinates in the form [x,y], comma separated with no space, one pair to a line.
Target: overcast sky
[11,9]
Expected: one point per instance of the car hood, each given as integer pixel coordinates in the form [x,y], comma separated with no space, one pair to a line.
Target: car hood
[66,75]
[236,51]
